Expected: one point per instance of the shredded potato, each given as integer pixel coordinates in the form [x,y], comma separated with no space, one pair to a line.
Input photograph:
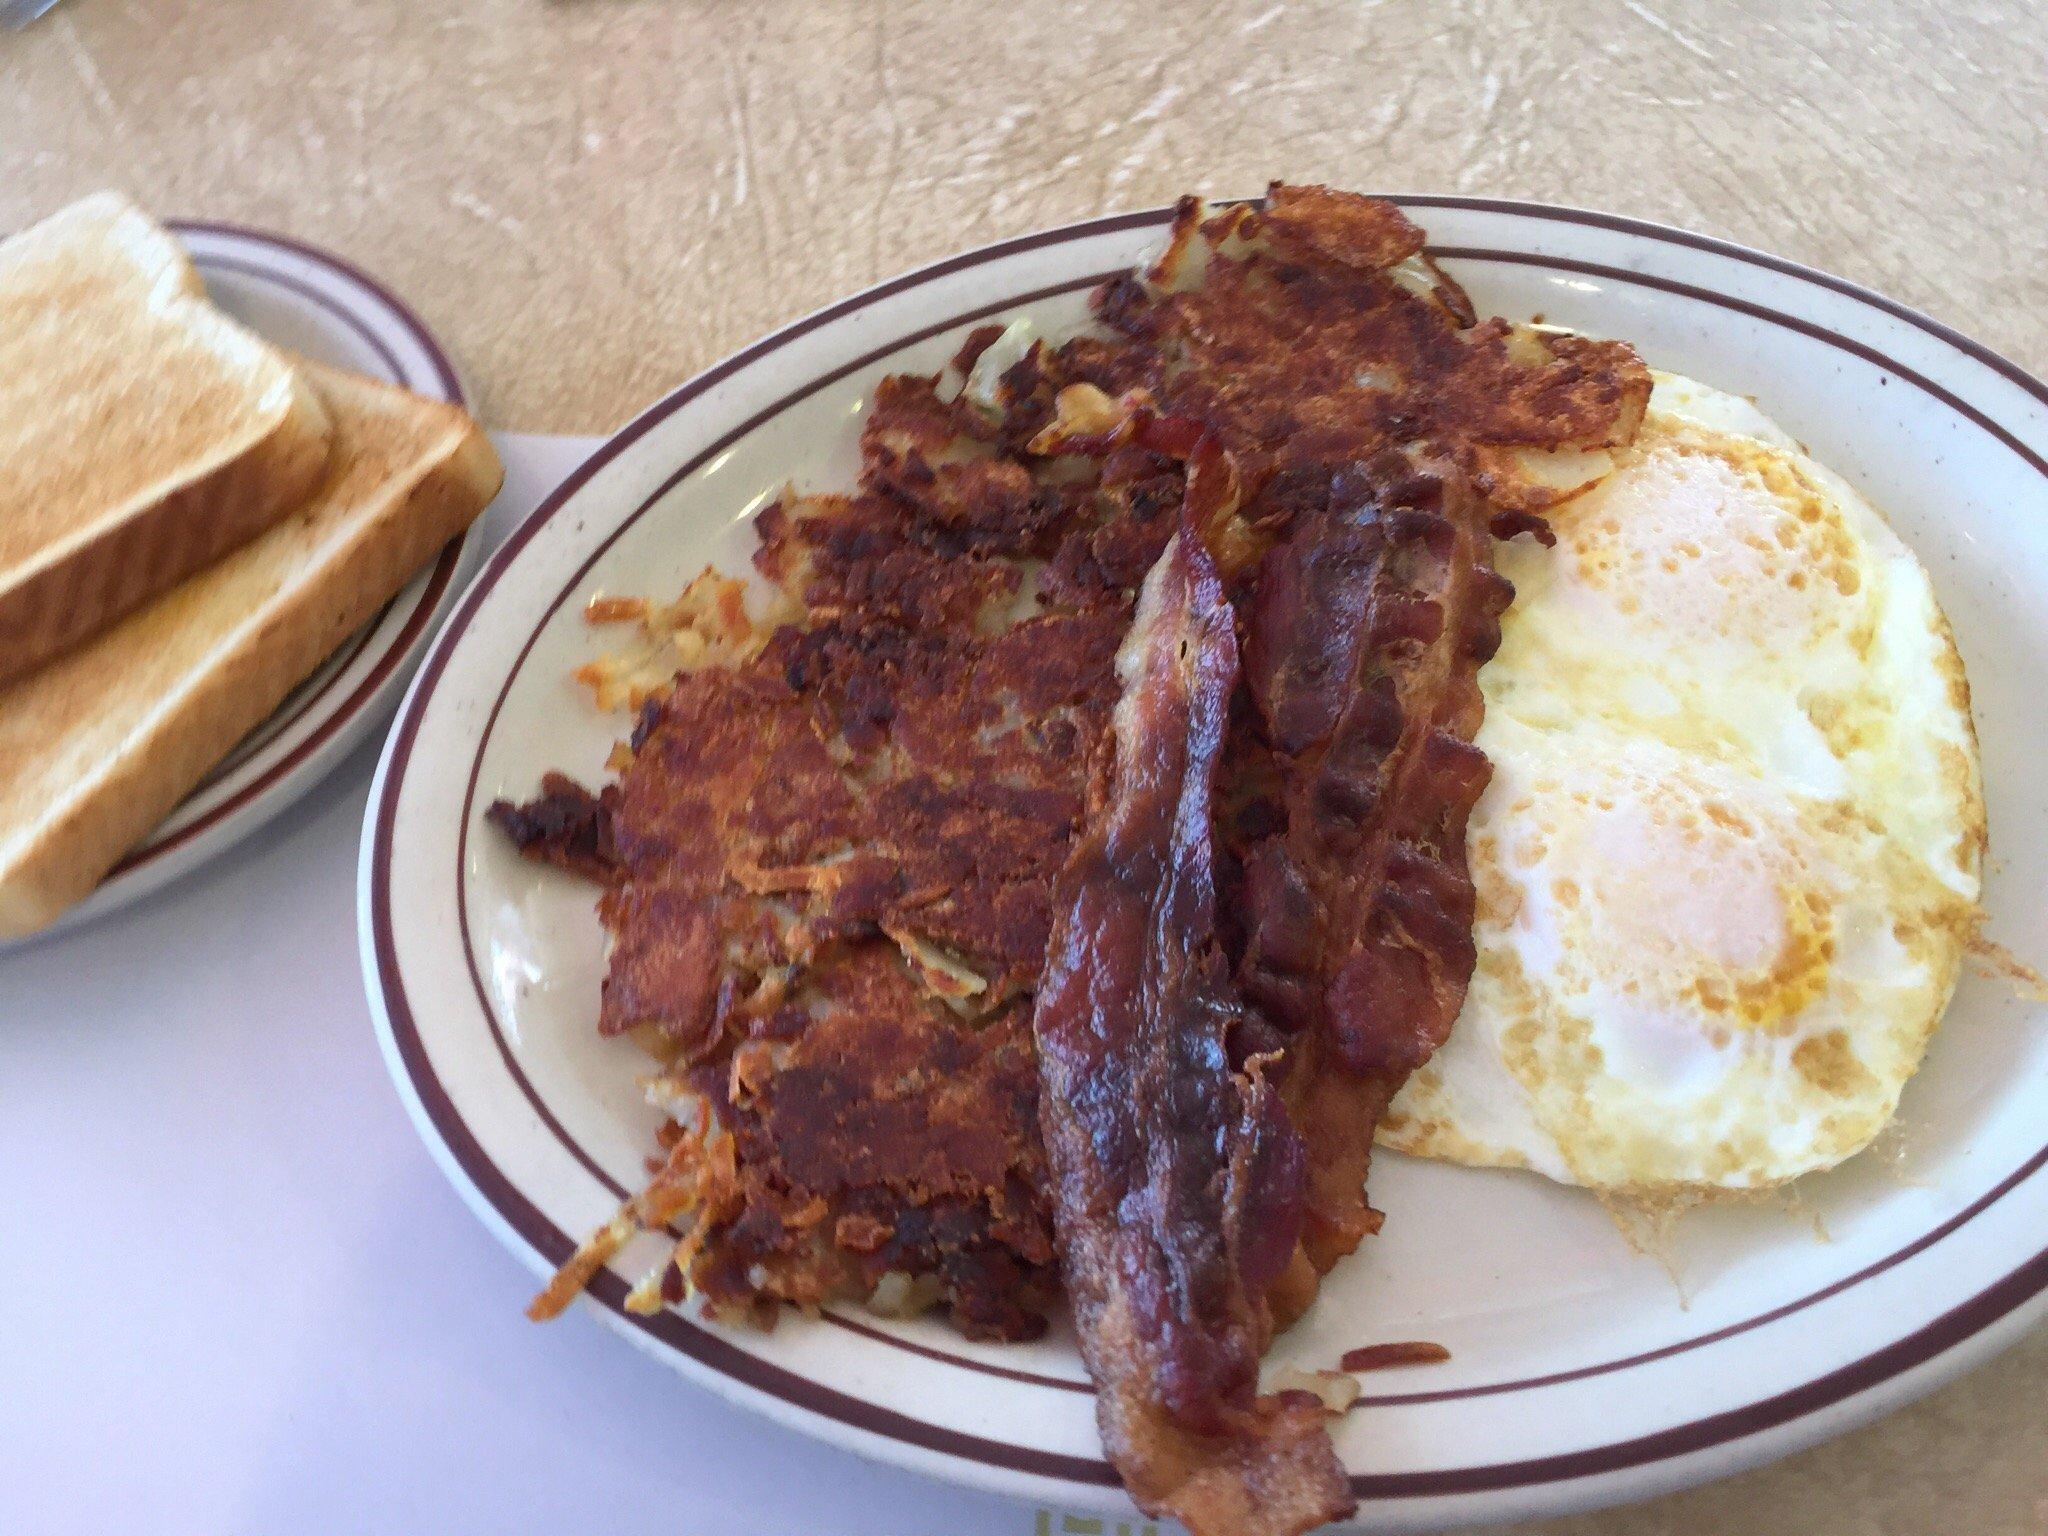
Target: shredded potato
[706,626]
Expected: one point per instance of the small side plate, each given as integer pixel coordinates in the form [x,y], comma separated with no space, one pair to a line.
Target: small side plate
[319,305]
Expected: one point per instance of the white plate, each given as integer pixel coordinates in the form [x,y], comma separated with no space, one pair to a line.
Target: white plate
[1579,1373]
[323,307]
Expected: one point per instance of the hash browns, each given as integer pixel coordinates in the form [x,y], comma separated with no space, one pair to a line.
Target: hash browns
[828,855]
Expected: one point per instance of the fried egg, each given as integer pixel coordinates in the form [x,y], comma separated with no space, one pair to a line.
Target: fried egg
[1730,855]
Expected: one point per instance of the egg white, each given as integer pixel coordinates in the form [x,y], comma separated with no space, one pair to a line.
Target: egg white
[1730,855]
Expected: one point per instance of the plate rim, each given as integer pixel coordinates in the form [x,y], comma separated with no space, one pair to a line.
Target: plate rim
[162,858]
[1855,1391]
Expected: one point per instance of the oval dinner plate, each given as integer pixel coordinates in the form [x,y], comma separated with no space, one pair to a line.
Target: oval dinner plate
[321,306]
[1581,1371]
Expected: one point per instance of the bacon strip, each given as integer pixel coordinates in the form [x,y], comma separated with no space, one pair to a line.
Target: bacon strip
[1177,1177]
[1364,642]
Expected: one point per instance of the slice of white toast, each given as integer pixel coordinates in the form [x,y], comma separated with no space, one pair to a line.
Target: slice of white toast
[100,744]
[143,433]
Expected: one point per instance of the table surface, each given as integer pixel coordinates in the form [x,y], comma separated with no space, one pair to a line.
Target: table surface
[590,200]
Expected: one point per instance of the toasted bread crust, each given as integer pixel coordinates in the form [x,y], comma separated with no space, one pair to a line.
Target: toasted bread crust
[143,434]
[448,474]
[46,610]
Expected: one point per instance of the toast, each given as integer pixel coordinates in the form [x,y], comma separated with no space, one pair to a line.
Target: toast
[98,746]
[143,434]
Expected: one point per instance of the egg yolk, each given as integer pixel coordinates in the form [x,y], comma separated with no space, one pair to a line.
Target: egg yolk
[1713,543]
[1684,900]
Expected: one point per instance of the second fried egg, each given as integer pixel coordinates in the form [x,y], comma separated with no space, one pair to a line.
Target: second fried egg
[1730,855]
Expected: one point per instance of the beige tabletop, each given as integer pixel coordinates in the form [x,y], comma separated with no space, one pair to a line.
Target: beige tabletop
[592,199]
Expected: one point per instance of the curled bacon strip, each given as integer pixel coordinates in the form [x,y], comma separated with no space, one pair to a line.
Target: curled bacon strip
[1364,643]
[1177,1177]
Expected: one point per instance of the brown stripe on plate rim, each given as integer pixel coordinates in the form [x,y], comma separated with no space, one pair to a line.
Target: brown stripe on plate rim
[1671,234]
[355,324]
[408,318]
[2019,1287]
